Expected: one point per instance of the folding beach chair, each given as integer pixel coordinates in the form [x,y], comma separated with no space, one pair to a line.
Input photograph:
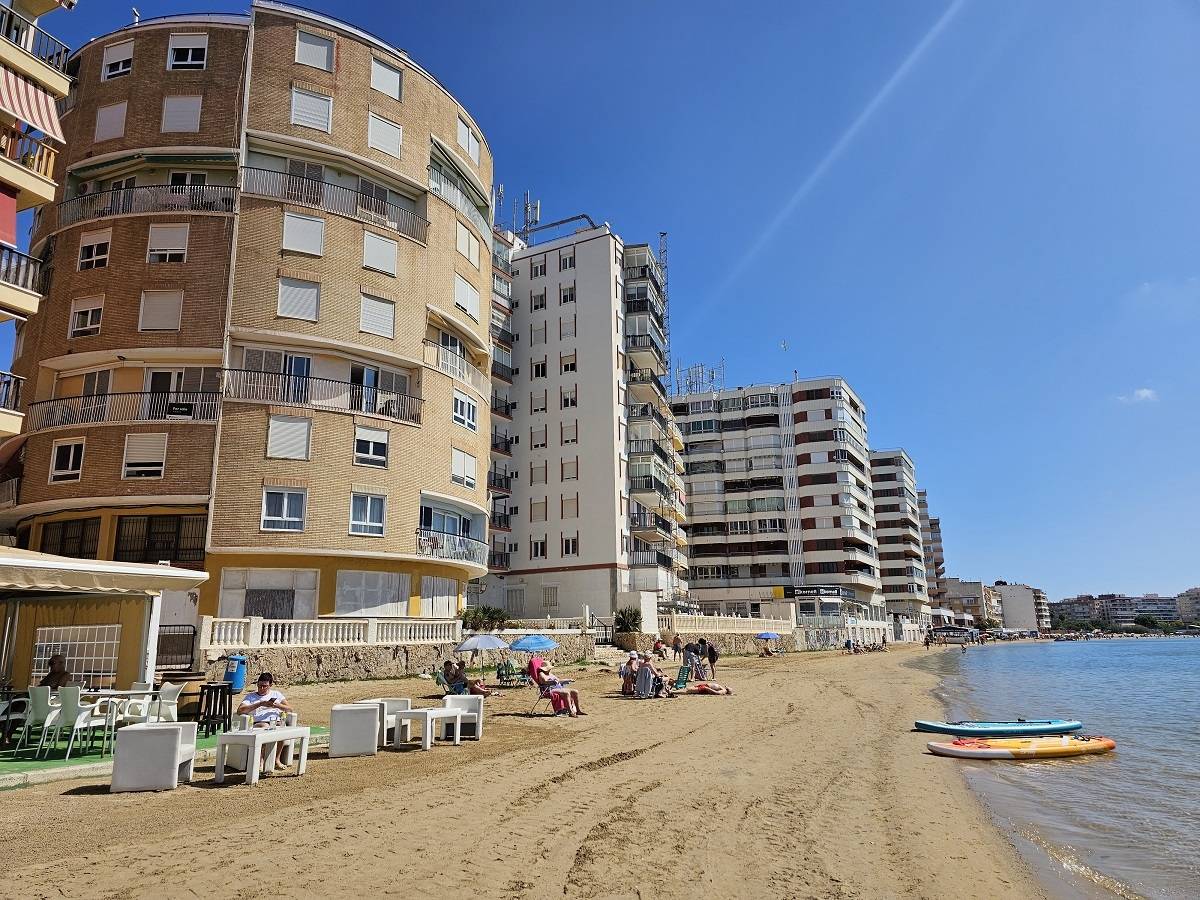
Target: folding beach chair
[544,692]
[681,679]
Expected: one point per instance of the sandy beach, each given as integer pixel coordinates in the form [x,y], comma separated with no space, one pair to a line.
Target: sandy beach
[806,783]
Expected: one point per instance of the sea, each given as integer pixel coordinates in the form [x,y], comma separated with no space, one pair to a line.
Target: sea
[1125,823]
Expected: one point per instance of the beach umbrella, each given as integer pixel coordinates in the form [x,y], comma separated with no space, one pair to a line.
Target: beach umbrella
[533,643]
[767,636]
[477,643]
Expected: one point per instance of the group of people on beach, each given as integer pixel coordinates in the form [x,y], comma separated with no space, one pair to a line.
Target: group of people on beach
[642,678]
[852,646]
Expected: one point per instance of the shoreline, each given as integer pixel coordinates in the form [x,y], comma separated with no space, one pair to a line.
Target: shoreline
[808,782]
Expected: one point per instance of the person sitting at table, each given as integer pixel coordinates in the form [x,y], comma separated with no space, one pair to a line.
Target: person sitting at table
[58,676]
[266,708]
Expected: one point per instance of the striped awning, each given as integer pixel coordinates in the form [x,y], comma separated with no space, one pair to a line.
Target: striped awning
[22,98]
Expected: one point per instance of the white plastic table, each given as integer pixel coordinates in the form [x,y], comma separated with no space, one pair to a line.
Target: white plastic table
[427,717]
[254,740]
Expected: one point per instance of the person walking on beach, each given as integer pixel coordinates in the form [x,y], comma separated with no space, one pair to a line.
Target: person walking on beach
[964,648]
[677,647]
[713,656]
[927,641]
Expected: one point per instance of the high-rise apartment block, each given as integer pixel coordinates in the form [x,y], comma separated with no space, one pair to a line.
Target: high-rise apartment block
[934,553]
[1025,608]
[974,603]
[596,497]
[780,503]
[898,534]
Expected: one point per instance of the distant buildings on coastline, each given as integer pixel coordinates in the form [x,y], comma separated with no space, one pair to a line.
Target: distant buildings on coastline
[1121,609]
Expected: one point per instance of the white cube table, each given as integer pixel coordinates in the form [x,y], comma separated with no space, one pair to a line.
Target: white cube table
[427,717]
[254,739]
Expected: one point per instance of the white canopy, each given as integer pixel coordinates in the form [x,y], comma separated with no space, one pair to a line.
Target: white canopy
[26,570]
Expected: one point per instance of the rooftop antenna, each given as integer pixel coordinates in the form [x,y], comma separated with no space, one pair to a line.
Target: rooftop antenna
[700,379]
[137,16]
[499,192]
[531,215]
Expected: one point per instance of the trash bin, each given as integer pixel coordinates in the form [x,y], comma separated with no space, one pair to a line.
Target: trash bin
[235,672]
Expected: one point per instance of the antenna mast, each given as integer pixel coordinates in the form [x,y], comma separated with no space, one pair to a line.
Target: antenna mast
[531,215]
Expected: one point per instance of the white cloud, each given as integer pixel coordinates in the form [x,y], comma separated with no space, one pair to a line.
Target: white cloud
[1140,395]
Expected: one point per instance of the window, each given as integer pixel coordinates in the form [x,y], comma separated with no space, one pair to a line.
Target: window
[314,50]
[299,299]
[66,461]
[466,411]
[86,314]
[370,446]
[439,597]
[570,433]
[537,437]
[283,509]
[468,140]
[386,79]
[570,507]
[569,399]
[181,114]
[538,301]
[168,244]
[537,472]
[384,135]
[289,437]
[110,122]
[379,253]
[570,470]
[376,316]
[566,328]
[537,334]
[537,510]
[366,514]
[537,548]
[468,244]
[566,295]
[187,51]
[78,538]
[466,297]
[145,455]
[537,268]
[161,310]
[549,597]
[462,468]
[154,538]
[304,234]
[312,110]
[539,369]
[93,249]
[566,261]
[118,61]
[537,402]
[823,522]
[445,521]
[568,363]
[362,593]
[570,546]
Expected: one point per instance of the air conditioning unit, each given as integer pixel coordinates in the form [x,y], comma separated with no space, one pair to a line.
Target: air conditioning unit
[84,188]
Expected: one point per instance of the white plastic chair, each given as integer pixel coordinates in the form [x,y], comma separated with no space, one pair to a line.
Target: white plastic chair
[472,714]
[167,701]
[37,711]
[154,756]
[75,717]
[139,709]
[353,730]
[388,707]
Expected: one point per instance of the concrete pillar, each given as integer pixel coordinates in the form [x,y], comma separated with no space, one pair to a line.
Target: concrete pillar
[254,632]
[153,614]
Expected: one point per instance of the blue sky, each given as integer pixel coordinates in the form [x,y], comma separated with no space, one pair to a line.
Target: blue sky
[982,214]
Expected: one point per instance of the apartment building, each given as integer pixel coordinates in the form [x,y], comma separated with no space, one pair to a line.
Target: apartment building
[1076,609]
[262,348]
[932,550]
[1025,608]
[780,503]
[33,81]
[596,502]
[502,470]
[973,602]
[1188,604]
[902,565]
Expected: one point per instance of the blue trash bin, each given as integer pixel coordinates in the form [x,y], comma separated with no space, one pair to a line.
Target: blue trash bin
[235,672]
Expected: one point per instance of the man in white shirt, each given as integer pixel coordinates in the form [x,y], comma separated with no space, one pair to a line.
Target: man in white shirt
[266,707]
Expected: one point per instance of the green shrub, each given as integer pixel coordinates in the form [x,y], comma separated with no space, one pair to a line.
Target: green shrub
[628,620]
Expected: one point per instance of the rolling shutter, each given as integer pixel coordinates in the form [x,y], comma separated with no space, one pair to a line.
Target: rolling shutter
[305,234]
[312,110]
[314,50]
[379,253]
[168,237]
[466,296]
[117,52]
[288,437]
[160,310]
[110,121]
[255,359]
[181,114]
[299,299]
[145,455]
[384,136]
[385,79]
[377,316]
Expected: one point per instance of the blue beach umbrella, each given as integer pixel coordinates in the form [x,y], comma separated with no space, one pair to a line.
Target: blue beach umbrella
[767,636]
[533,643]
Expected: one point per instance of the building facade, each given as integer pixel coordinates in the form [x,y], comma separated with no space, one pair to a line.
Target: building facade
[973,602]
[596,501]
[262,348]
[780,503]
[902,565]
[932,550]
[1025,608]
[1188,604]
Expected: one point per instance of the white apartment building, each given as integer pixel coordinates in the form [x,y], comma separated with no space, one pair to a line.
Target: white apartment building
[780,506]
[898,534]
[595,500]
[973,602]
[1025,608]
[1189,604]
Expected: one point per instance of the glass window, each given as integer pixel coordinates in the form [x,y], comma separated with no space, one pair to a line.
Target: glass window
[86,315]
[283,509]
[466,411]
[370,446]
[187,51]
[366,514]
[66,463]
[117,61]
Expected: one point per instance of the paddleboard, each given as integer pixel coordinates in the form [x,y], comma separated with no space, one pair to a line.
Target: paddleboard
[1019,728]
[1023,748]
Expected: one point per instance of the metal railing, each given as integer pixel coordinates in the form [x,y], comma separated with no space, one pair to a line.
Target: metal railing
[637,447]
[155,198]
[647,522]
[502,334]
[502,443]
[498,559]
[10,492]
[456,366]
[10,391]
[25,150]
[501,520]
[636,272]
[20,269]
[443,187]
[238,634]
[16,29]
[320,393]
[501,370]
[503,264]
[499,481]
[136,406]
[633,307]
[503,407]
[645,342]
[647,411]
[441,545]
[334,198]
[644,558]
[646,376]
[646,483]
[176,647]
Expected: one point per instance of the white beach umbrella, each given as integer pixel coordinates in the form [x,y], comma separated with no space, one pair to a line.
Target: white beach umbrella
[479,643]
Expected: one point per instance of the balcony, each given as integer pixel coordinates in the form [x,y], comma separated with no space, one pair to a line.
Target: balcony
[645,344]
[649,558]
[155,198]
[500,521]
[499,560]
[28,166]
[334,198]
[446,189]
[503,335]
[648,484]
[635,273]
[320,393]
[457,367]
[501,407]
[42,57]
[452,547]
[501,287]
[500,482]
[10,404]
[633,307]
[499,262]
[502,443]
[502,371]
[646,411]
[139,406]
[649,523]
[647,447]
[644,383]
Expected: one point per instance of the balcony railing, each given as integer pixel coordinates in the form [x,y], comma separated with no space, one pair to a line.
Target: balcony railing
[641,447]
[502,443]
[645,342]
[632,273]
[334,198]
[24,150]
[456,366]
[20,270]
[648,522]
[500,370]
[503,335]
[453,194]
[503,407]
[641,558]
[16,29]
[503,264]
[633,307]
[499,481]
[10,391]
[238,634]
[441,545]
[646,376]
[498,559]
[320,393]
[501,520]
[647,411]
[139,406]
[643,484]
[10,491]
[155,198]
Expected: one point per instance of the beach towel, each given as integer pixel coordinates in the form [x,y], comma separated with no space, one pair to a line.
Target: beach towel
[643,687]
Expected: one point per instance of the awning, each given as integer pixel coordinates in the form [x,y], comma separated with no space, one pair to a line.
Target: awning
[10,447]
[22,98]
[86,170]
[26,570]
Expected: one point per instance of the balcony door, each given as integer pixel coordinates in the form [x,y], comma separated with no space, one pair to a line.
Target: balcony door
[93,405]
[305,182]
[122,194]
[376,390]
[163,387]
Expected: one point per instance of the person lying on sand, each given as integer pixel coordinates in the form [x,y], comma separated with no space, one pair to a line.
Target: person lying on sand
[707,687]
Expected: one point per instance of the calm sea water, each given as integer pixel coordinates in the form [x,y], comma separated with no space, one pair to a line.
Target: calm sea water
[1127,822]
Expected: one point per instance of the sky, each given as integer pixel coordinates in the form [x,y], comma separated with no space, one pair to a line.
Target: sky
[982,214]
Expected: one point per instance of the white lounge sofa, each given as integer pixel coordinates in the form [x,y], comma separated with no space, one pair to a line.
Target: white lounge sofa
[388,707]
[154,756]
[353,730]
[472,715]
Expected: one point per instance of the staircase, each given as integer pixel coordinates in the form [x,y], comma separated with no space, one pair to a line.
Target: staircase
[608,655]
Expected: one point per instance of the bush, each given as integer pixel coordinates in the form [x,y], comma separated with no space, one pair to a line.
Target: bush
[484,618]
[628,620]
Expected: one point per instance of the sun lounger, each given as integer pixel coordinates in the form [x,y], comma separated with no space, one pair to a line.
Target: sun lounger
[681,679]
[459,688]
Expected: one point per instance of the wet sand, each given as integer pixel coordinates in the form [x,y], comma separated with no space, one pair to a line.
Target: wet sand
[806,783]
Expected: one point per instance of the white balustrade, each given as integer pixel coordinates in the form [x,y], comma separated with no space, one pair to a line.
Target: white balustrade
[686,624]
[247,633]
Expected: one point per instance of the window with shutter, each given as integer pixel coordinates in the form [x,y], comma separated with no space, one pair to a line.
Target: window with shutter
[379,253]
[314,50]
[462,468]
[312,110]
[468,244]
[396,382]
[168,244]
[258,360]
[118,60]
[110,122]
[466,297]
[384,135]
[181,114]
[377,316]
[201,378]
[160,310]
[86,315]
[145,455]
[299,299]
[386,79]
[289,437]
[465,411]
[370,446]
[468,140]
[187,51]
[363,593]
[304,234]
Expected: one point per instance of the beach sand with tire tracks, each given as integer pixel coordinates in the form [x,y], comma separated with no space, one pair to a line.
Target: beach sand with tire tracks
[806,783]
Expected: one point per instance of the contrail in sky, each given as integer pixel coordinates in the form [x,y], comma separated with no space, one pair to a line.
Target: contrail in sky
[839,147]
